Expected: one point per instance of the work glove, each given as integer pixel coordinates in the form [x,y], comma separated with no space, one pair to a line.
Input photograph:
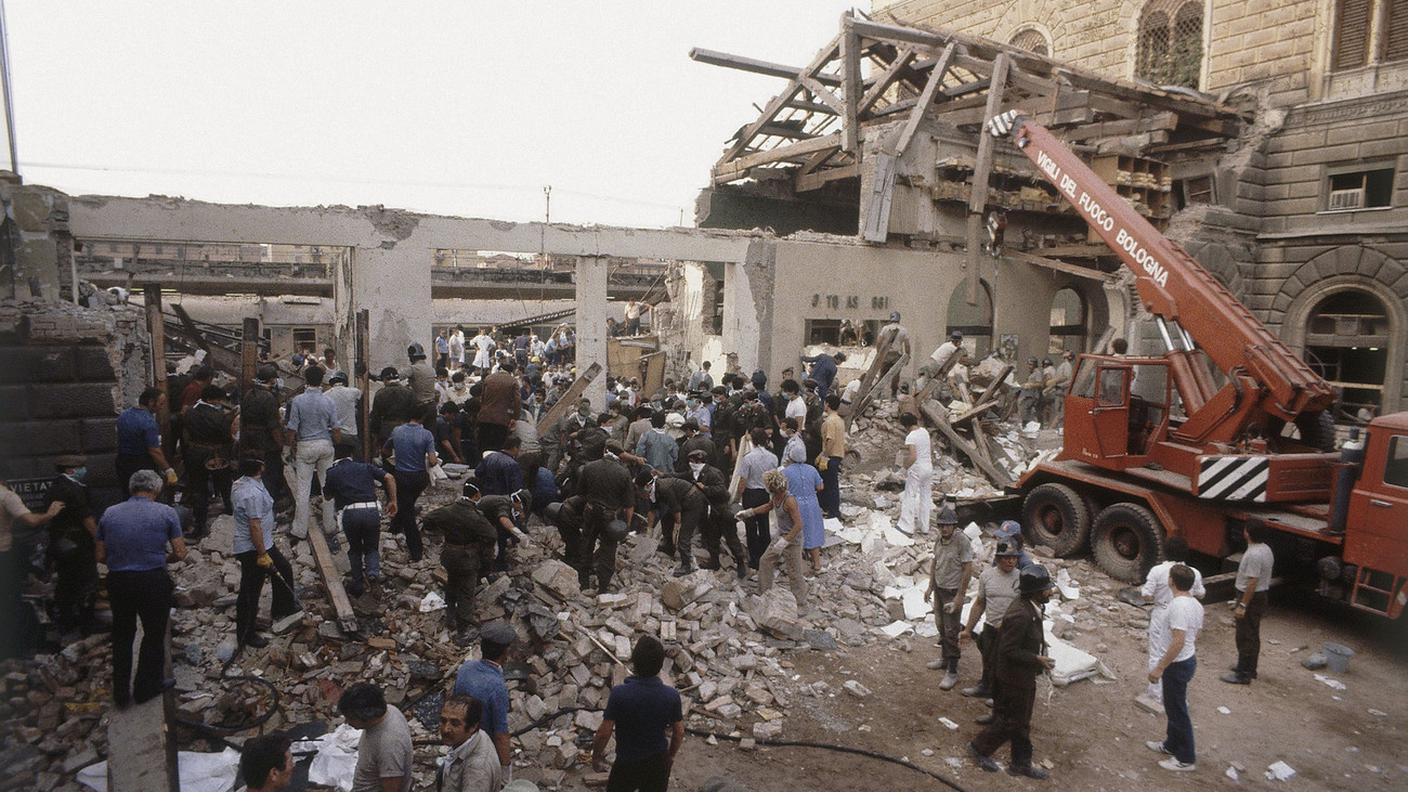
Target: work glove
[264,561]
[781,543]
[822,462]
[171,477]
[744,514]
[951,608]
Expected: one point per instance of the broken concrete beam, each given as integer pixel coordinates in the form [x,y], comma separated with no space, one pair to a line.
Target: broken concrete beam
[332,581]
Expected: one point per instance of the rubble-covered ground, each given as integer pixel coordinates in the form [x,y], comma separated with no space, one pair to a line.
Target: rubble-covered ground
[845,667]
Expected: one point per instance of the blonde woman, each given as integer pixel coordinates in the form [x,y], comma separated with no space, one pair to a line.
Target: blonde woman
[786,545]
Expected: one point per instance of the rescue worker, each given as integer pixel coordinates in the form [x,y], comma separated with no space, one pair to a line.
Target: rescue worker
[139,439]
[500,404]
[469,544]
[414,447]
[898,337]
[606,487]
[719,522]
[1059,387]
[351,486]
[694,441]
[421,377]
[1021,658]
[392,406]
[261,432]
[72,544]
[997,588]
[1029,399]
[507,513]
[949,575]
[206,448]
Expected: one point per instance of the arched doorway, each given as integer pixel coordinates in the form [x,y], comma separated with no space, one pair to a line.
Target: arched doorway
[973,321]
[1069,322]
[1348,337]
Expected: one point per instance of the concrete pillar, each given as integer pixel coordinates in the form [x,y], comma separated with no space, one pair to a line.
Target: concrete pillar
[344,315]
[591,323]
[393,284]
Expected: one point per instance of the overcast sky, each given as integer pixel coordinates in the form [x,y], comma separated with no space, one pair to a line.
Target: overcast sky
[463,108]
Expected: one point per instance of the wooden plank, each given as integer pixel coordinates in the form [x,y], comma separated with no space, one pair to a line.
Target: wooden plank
[926,98]
[885,80]
[989,400]
[1059,266]
[739,168]
[875,225]
[815,181]
[568,401]
[1148,123]
[156,326]
[982,170]
[850,87]
[863,399]
[332,580]
[788,94]
[935,413]
[742,63]
[810,107]
[364,382]
[141,748]
[824,94]
[249,353]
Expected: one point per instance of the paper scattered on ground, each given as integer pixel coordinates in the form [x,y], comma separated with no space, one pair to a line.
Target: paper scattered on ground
[1232,773]
[1224,710]
[949,724]
[432,602]
[1331,682]
[897,628]
[1279,771]
[199,772]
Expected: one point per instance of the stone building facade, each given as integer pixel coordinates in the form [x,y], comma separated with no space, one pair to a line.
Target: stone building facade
[1306,216]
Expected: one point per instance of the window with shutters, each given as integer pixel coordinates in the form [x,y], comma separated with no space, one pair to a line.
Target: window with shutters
[1032,40]
[1396,31]
[1170,47]
[1352,19]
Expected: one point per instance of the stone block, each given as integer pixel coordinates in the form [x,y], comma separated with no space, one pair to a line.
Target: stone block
[776,612]
[558,578]
[14,402]
[767,731]
[37,363]
[30,210]
[71,400]
[98,435]
[45,436]
[681,591]
[93,364]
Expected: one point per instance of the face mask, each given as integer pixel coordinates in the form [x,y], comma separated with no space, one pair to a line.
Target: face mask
[79,474]
[696,467]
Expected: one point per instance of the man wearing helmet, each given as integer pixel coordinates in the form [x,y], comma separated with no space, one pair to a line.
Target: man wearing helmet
[898,338]
[469,544]
[1021,658]
[997,588]
[422,381]
[392,406]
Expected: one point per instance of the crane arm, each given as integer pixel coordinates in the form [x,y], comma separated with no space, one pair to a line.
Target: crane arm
[1170,283]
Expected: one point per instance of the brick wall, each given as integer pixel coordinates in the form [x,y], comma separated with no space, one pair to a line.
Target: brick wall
[65,374]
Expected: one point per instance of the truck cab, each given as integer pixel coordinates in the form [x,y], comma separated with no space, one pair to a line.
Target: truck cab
[1376,532]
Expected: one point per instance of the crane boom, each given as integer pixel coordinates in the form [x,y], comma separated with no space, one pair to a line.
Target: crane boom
[1172,285]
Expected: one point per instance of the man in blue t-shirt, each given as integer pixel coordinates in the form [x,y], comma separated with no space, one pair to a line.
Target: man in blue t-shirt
[639,711]
[414,447]
[483,680]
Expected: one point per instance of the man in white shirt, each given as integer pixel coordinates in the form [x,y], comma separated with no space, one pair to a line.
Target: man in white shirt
[1252,584]
[472,765]
[457,348]
[1156,589]
[483,345]
[1175,669]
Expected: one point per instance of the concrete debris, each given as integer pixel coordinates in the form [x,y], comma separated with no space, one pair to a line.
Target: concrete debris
[856,689]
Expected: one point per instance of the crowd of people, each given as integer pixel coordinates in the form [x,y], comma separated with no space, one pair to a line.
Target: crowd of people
[744,469]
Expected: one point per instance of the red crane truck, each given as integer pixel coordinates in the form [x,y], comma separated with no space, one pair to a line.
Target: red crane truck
[1196,442]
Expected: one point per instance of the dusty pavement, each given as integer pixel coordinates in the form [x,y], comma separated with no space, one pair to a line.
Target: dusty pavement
[1091,732]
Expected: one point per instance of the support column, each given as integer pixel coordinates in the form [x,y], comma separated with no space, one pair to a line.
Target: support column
[591,323]
[393,285]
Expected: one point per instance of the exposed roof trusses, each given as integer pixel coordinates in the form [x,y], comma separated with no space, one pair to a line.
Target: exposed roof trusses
[873,73]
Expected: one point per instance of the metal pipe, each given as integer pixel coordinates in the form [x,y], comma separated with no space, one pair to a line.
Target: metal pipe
[1163,331]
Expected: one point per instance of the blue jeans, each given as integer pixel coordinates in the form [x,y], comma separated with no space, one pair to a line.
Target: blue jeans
[363,530]
[1179,740]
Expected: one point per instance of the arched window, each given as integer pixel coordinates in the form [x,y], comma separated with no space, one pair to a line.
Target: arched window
[1347,341]
[1170,47]
[1068,322]
[973,321]
[1031,40]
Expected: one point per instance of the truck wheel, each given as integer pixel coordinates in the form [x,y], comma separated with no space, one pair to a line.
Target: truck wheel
[1128,541]
[1056,516]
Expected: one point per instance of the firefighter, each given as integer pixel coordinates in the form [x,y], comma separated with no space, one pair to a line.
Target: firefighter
[1021,658]
[607,489]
